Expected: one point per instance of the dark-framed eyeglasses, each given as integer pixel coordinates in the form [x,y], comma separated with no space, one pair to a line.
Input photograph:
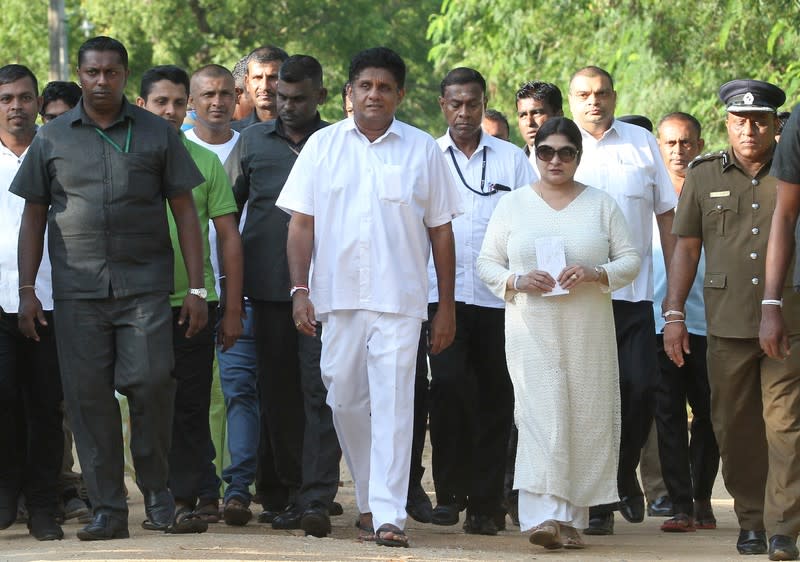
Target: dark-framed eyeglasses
[546,153]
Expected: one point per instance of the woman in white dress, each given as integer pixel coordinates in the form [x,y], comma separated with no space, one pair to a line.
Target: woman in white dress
[561,350]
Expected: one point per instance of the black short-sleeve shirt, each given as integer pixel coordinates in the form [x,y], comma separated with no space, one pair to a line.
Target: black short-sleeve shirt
[267,158]
[107,222]
[786,167]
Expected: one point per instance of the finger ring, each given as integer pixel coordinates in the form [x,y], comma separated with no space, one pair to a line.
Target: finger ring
[297,324]
[574,276]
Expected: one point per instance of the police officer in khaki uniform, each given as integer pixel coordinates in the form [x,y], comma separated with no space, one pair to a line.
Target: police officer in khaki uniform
[726,207]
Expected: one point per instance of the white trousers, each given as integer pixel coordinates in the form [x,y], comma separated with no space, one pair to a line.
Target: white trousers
[368,362]
[535,509]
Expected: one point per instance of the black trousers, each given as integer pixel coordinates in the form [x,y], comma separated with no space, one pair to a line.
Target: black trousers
[471,407]
[30,415]
[689,466]
[122,344]
[192,473]
[638,367]
[293,412]
[421,406]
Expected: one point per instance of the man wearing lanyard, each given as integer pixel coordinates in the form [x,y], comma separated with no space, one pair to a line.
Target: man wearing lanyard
[471,398]
[97,178]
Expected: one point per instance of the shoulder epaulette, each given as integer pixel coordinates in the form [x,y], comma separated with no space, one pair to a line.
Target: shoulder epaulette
[708,156]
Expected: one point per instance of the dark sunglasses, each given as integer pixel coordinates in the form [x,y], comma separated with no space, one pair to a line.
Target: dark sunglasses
[546,153]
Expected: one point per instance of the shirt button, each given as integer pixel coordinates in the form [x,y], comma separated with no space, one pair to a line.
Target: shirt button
[755,230]
[754,182]
[753,255]
[719,207]
[754,280]
[755,206]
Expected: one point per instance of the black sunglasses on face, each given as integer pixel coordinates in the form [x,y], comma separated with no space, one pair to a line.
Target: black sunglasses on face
[546,153]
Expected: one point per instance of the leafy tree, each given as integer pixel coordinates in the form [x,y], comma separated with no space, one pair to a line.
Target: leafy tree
[664,56]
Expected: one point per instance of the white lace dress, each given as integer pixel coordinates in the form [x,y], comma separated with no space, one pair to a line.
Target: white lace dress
[561,352]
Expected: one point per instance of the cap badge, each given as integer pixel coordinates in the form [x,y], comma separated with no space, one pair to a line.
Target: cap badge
[748,98]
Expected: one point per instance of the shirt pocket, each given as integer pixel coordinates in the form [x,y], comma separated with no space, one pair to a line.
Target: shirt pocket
[394,186]
[719,212]
[633,182]
[715,281]
[142,171]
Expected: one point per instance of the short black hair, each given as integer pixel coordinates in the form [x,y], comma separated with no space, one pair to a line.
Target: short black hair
[13,72]
[68,92]
[103,43]
[378,57]
[170,72]
[681,116]
[560,126]
[638,120]
[300,67]
[265,54]
[463,75]
[544,92]
[239,72]
[494,115]
[593,71]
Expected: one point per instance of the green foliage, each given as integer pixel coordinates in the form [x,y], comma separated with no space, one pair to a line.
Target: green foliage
[664,56]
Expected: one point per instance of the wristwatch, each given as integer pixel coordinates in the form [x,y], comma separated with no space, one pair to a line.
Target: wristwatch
[201,292]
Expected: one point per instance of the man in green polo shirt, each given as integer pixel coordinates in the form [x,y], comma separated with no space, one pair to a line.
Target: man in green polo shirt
[192,476]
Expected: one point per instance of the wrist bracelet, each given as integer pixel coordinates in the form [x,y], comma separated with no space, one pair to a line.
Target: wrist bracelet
[296,288]
[516,278]
[774,302]
[674,321]
[26,287]
[672,313]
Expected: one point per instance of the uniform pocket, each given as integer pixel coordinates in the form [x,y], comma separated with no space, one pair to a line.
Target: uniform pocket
[720,211]
[715,280]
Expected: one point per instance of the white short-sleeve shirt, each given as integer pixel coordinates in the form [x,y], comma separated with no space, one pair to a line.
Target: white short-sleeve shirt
[372,204]
[11,207]
[506,165]
[627,164]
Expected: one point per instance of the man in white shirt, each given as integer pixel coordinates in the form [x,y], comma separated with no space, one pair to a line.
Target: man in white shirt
[471,397]
[625,161]
[370,196]
[30,384]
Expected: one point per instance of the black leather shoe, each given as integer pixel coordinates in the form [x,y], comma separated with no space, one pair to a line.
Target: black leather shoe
[159,507]
[476,524]
[632,508]
[288,519]
[661,507]
[445,514]
[782,547]
[316,521]
[752,542]
[104,527]
[600,524]
[268,516]
[418,504]
[43,527]
[336,509]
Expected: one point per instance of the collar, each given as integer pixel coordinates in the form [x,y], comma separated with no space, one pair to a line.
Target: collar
[5,151]
[614,129]
[483,143]
[78,114]
[729,161]
[276,127]
[349,124]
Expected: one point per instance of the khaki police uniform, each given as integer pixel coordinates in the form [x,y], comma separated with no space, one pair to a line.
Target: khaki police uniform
[755,400]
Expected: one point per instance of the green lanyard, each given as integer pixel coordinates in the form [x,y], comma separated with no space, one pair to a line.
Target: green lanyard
[110,141]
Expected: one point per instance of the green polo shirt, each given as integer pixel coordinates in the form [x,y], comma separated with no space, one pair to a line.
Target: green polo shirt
[213,198]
